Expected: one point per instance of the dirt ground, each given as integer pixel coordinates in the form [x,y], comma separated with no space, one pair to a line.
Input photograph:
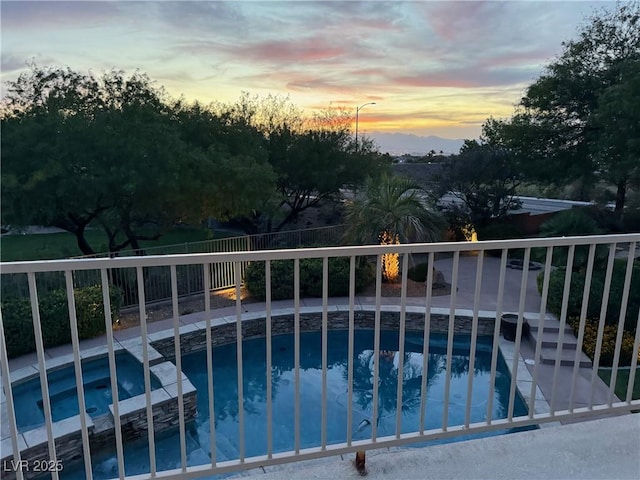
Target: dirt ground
[227,298]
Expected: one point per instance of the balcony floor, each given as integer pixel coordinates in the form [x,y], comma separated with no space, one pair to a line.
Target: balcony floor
[599,449]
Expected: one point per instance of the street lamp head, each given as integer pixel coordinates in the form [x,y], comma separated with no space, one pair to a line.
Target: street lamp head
[364,105]
[357,112]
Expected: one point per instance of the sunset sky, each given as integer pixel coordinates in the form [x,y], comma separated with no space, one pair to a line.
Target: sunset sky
[433,68]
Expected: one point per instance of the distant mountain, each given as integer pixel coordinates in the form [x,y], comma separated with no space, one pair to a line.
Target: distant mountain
[401,143]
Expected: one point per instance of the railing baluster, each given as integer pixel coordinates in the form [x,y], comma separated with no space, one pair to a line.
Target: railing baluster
[403,313]
[376,350]
[8,391]
[325,300]
[147,372]
[178,353]
[106,301]
[77,365]
[44,385]
[540,329]
[634,362]
[450,333]
[516,354]
[496,335]
[296,350]
[241,439]
[563,322]
[586,292]
[350,355]
[425,343]
[474,338]
[621,321]
[602,319]
[268,359]
[206,271]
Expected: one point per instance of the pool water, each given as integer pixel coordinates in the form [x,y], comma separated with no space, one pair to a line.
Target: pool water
[283,396]
[63,394]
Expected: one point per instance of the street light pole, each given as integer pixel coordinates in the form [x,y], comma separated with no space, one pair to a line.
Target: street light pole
[357,112]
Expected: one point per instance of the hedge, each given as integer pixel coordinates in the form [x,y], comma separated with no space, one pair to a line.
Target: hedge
[54,318]
[418,273]
[310,278]
[608,347]
[556,290]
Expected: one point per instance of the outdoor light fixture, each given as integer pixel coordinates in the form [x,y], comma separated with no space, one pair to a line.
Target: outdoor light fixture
[357,112]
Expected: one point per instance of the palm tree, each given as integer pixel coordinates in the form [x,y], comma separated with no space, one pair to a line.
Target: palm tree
[391,210]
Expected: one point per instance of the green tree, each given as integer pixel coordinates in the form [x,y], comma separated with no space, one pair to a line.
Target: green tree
[390,210]
[117,153]
[483,178]
[314,158]
[580,119]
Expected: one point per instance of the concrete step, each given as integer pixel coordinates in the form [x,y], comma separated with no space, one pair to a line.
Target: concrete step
[550,325]
[567,357]
[550,339]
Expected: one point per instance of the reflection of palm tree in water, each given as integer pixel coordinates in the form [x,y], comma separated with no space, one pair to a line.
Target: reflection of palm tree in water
[388,383]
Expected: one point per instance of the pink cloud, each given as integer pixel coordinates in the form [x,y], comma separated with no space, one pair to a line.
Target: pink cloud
[304,50]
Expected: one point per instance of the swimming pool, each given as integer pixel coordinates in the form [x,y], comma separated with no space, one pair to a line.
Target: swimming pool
[254,388]
[63,394]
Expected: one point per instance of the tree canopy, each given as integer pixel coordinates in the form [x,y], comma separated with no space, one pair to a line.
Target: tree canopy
[580,119]
[313,158]
[483,177]
[117,153]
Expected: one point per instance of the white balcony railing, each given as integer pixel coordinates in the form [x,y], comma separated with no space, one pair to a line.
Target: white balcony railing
[556,383]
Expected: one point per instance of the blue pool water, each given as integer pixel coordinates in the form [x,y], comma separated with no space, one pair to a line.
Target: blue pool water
[63,395]
[254,388]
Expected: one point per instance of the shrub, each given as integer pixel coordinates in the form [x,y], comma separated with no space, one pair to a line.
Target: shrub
[556,291]
[90,309]
[18,327]
[338,282]
[281,280]
[631,221]
[499,231]
[567,223]
[418,273]
[607,350]
[606,220]
[54,318]
[310,278]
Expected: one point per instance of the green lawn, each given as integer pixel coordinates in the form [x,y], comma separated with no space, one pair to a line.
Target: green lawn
[63,245]
[622,381]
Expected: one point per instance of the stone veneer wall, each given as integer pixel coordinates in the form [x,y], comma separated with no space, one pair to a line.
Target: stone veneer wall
[68,449]
[226,333]
[134,424]
[102,434]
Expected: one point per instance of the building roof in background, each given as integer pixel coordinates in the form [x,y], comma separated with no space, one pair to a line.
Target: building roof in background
[532,205]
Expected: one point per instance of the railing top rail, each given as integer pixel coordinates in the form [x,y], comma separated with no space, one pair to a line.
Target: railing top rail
[200,258]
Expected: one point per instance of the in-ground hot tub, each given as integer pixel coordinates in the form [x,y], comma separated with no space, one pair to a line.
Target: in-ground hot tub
[63,394]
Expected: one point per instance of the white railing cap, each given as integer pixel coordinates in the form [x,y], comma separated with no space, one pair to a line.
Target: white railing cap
[201,258]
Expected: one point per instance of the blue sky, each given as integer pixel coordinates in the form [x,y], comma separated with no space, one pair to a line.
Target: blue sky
[433,68]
